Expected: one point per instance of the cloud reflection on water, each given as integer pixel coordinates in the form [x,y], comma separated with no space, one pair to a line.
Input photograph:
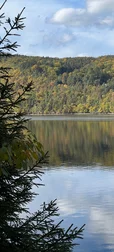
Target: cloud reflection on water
[83,196]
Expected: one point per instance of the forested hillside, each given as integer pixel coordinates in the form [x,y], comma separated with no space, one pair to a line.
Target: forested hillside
[68,85]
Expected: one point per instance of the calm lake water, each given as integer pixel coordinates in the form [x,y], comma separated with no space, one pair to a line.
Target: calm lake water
[80,174]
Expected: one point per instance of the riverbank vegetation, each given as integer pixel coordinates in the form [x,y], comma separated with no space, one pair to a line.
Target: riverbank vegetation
[68,85]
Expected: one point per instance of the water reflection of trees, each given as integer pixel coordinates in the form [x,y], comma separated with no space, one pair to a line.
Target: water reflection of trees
[76,142]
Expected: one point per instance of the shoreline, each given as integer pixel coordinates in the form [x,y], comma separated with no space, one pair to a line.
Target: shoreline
[71,117]
[74,114]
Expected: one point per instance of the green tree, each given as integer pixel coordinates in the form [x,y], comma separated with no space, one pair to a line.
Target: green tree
[20,157]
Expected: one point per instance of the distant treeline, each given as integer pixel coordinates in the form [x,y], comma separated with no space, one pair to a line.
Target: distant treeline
[68,85]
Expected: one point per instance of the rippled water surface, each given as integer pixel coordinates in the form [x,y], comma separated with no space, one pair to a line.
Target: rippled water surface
[80,175]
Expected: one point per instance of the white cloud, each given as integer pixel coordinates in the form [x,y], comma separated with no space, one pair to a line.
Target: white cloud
[80,29]
[100,6]
[97,13]
[108,21]
[68,16]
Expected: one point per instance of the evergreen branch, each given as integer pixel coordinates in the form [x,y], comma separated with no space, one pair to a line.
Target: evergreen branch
[3,4]
[14,26]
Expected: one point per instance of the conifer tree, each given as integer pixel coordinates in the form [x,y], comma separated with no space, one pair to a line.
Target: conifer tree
[20,157]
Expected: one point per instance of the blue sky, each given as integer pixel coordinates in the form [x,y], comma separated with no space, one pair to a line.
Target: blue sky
[65,28]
